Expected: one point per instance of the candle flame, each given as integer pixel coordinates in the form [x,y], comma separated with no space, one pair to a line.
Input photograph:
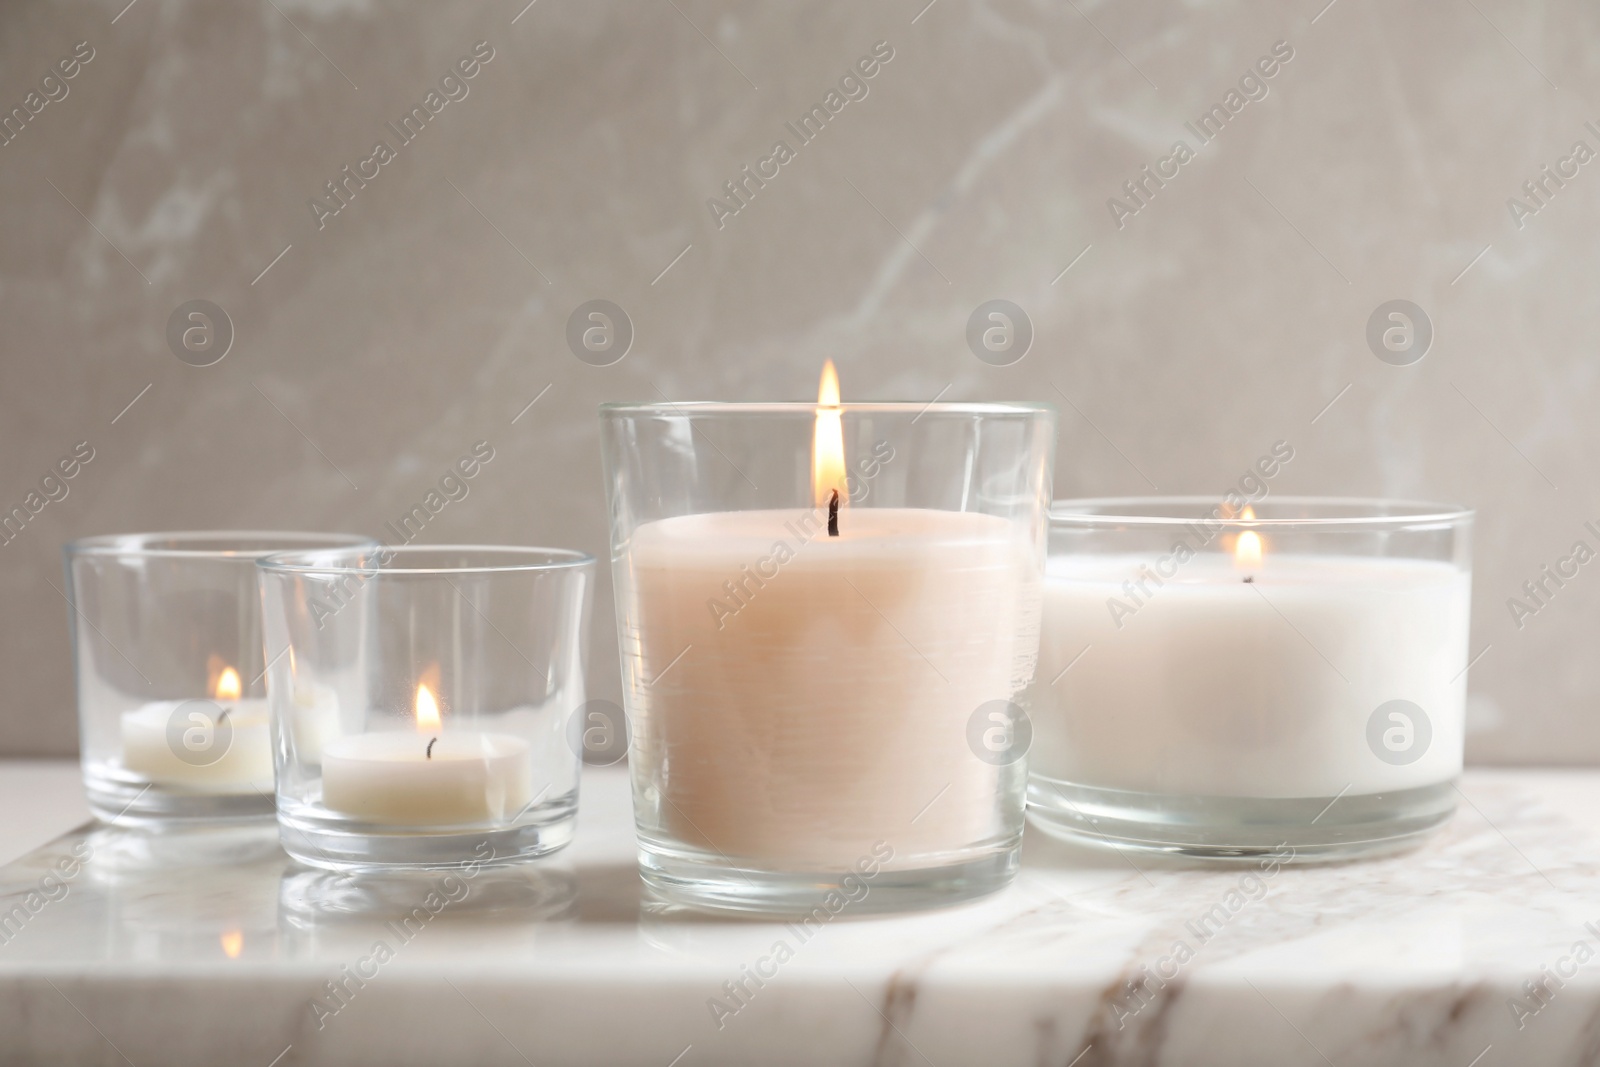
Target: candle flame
[427,709]
[1248,547]
[827,443]
[228,686]
[232,943]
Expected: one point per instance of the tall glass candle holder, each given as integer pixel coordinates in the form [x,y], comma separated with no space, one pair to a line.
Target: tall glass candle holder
[826,692]
[426,702]
[167,653]
[1225,679]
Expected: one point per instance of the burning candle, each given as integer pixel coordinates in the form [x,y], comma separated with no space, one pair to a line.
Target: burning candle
[429,777]
[802,678]
[222,745]
[147,610]
[1278,659]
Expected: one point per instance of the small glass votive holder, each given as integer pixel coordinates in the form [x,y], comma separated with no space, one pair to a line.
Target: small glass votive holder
[425,702]
[166,640]
[827,703]
[1223,680]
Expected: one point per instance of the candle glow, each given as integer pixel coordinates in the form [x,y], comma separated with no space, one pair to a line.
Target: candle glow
[827,443]
[1247,548]
[427,709]
[232,943]
[228,686]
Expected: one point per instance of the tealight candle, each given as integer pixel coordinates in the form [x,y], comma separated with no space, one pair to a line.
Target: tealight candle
[167,656]
[435,712]
[207,746]
[428,778]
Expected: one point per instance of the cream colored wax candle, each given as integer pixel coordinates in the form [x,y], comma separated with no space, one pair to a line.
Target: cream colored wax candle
[802,696]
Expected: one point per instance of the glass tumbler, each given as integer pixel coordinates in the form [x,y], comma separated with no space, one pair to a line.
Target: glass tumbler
[1229,679]
[426,702]
[172,709]
[828,620]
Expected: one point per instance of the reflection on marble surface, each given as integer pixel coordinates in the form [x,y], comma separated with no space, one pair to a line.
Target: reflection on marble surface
[529,893]
[205,951]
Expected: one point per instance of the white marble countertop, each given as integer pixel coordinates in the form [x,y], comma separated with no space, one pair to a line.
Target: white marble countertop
[149,953]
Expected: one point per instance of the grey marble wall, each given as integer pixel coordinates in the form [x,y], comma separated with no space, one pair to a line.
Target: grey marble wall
[1181,332]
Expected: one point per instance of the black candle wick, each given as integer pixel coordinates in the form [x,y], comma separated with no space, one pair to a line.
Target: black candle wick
[429,753]
[833,514]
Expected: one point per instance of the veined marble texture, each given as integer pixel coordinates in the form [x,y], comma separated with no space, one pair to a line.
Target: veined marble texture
[199,951]
[391,308]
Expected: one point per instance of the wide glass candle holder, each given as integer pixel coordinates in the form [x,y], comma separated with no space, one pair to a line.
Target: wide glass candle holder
[828,617]
[1225,678]
[423,702]
[172,713]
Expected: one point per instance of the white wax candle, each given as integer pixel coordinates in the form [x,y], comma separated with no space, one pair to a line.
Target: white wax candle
[1219,687]
[825,684]
[392,778]
[242,765]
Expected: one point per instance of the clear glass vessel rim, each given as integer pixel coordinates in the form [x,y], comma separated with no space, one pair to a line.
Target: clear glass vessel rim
[1341,511]
[493,559]
[916,408]
[212,544]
